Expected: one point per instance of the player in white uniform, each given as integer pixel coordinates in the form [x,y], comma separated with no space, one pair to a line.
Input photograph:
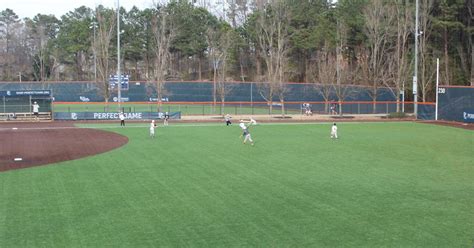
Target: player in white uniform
[122,119]
[152,129]
[36,110]
[227,119]
[334,131]
[167,117]
[245,129]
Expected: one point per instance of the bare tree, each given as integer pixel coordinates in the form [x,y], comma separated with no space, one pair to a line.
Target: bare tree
[238,11]
[9,25]
[343,90]
[216,55]
[393,65]
[42,53]
[399,64]
[24,53]
[426,54]
[223,88]
[342,85]
[163,33]
[470,5]
[106,25]
[378,21]
[273,41]
[322,73]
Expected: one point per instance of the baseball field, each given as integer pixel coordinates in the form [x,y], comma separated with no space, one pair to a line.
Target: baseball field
[397,184]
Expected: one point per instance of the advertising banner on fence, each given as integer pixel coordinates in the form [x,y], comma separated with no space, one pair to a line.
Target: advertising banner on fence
[456,103]
[113,115]
[468,115]
[25,93]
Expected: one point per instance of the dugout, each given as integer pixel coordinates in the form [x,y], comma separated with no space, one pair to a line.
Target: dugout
[18,104]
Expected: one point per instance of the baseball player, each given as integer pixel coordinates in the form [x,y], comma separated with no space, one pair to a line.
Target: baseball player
[122,119]
[227,118]
[334,131]
[152,128]
[245,129]
[167,117]
[36,110]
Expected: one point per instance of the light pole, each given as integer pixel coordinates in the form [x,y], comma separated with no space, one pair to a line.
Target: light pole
[415,76]
[119,94]
[94,26]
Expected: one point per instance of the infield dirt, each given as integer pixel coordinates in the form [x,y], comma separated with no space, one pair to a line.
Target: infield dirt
[39,143]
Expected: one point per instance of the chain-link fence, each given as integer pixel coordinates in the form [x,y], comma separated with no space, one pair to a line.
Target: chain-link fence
[240,108]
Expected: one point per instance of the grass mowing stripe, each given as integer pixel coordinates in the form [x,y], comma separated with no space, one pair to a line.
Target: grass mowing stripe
[378,185]
[177,124]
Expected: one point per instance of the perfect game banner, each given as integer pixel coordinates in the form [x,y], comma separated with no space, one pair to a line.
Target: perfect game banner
[13,93]
[73,116]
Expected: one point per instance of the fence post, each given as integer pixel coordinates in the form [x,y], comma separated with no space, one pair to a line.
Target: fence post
[386,107]
[30,108]
[358,108]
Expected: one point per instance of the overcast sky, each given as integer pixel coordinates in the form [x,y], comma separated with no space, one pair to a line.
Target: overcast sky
[29,8]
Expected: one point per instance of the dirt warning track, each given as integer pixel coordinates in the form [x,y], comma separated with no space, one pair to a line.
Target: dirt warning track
[24,145]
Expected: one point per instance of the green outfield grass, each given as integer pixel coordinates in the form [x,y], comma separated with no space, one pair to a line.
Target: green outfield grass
[379,185]
[185,109]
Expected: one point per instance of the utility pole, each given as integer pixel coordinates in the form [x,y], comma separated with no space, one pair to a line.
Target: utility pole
[119,84]
[415,76]
[94,26]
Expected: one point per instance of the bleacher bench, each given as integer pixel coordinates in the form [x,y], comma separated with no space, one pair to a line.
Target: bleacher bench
[43,116]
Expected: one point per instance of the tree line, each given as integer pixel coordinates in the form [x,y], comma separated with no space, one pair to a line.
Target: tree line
[331,44]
